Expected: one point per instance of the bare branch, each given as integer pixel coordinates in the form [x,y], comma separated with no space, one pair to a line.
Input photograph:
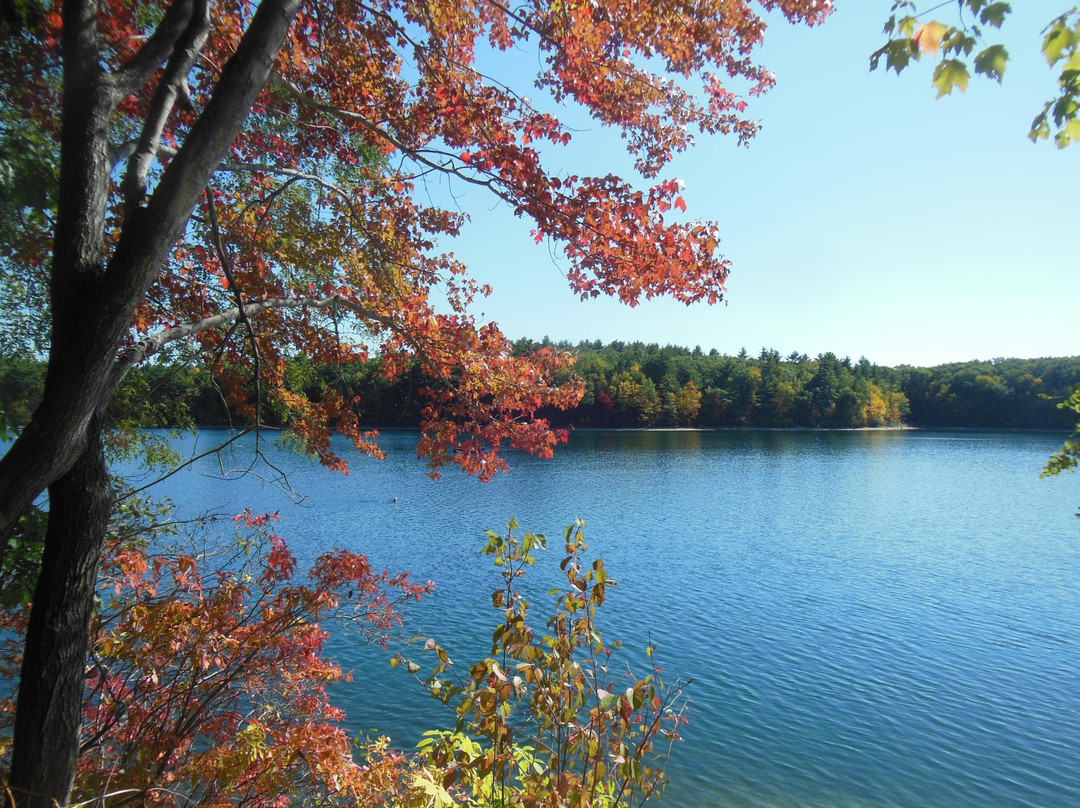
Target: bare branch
[164,150]
[189,462]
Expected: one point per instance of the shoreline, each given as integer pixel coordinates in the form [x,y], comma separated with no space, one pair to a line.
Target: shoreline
[572,429]
[899,428]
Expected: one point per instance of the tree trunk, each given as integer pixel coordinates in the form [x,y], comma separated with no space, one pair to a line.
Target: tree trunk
[93,300]
[57,640]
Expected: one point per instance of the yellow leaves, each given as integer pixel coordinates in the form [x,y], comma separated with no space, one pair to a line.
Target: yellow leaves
[928,37]
[439,796]
[252,742]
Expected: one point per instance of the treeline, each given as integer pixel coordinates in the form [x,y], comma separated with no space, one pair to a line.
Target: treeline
[640,385]
[635,384]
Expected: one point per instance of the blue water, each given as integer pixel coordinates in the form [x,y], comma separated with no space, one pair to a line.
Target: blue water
[870,619]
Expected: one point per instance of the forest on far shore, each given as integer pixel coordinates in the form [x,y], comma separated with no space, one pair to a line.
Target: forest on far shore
[635,385]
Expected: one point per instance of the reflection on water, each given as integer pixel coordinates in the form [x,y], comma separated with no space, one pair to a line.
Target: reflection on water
[869,618]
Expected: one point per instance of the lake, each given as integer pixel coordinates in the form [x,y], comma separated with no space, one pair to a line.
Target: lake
[870,619]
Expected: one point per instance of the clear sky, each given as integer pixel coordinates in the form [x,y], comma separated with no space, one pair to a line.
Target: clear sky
[867,218]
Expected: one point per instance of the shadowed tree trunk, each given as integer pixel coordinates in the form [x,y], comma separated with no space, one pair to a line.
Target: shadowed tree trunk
[57,640]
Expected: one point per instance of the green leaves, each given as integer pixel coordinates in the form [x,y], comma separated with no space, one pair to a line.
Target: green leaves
[22,562]
[956,43]
[1067,457]
[1059,40]
[994,14]
[949,74]
[898,54]
[545,720]
[991,62]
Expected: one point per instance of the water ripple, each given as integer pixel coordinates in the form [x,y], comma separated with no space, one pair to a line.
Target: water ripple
[872,620]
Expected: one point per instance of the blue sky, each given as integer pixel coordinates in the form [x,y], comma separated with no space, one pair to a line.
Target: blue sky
[867,218]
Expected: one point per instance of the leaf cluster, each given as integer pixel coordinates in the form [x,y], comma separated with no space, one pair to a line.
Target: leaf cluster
[1067,458]
[548,719]
[206,682]
[962,47]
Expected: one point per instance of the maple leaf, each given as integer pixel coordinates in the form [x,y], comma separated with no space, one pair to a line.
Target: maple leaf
[949,74]
[992,61]
[928,37]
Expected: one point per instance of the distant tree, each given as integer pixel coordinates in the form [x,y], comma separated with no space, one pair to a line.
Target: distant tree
[637,402]
[687,404]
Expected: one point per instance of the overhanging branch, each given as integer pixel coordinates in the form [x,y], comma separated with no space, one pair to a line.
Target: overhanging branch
[166,151]
[147,347]
[155,51]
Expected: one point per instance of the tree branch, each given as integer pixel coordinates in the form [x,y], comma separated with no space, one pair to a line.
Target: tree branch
[165,150]
[152,233]
[173,87]
[416,154]
[234,287]
[138,70]
[147,347]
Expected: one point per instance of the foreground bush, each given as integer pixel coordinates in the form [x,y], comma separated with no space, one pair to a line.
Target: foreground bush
[207,683]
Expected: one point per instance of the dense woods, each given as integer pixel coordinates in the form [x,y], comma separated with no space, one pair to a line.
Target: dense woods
[633,385]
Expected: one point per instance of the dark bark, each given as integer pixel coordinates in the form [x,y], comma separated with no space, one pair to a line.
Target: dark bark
[55,438]
[93,302]
[58,637]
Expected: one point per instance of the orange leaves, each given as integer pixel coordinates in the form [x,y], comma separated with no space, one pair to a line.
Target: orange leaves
[317,197]
[928,37]
[210,677]
[620,244]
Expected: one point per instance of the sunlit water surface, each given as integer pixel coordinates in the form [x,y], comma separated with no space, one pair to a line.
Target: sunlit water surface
[869,619]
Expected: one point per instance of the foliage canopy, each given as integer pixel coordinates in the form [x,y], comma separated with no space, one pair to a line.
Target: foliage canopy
[963,48]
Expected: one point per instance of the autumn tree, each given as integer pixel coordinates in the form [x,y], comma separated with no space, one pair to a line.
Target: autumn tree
[687,404]
[207,674]
[237,183]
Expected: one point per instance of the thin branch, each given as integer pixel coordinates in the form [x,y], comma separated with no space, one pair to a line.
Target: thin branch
[145,348]
[138,70]
[185,464]
[234,287]
[372,127]
[172,88]
[164,150]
